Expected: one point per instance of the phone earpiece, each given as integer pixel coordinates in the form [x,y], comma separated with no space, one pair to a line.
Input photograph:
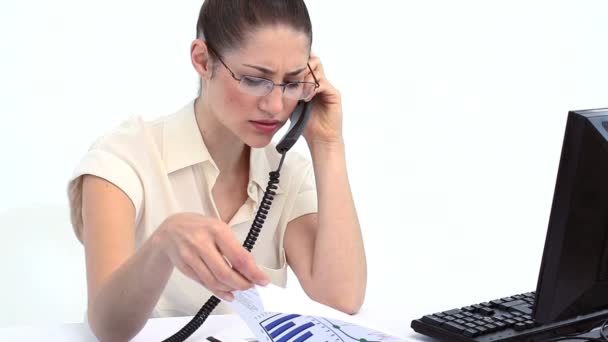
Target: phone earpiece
[299,117]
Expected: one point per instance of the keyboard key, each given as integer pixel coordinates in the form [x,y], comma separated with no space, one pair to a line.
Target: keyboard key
[513,303]
[451,326]
[519,326]
[452,312]
[486,311]
[524,308]
[468,309]
[482,329]
[495,302]
[433,320]
[471,332]
[480,322]
[491,327]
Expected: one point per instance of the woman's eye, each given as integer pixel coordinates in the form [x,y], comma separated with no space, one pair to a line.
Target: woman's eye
[293,85]
[253,82]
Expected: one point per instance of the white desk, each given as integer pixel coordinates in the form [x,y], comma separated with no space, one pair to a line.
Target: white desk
[156,329]
[388,320]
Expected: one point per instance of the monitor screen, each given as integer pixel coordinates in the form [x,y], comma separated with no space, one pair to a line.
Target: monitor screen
[573,278]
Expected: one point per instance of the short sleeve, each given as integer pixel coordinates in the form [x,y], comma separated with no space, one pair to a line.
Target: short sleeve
[108,159]
[306,198]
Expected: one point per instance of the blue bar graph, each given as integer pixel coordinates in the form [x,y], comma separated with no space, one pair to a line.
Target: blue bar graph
[304,337]
[296,331]
[273,324]
[281,329]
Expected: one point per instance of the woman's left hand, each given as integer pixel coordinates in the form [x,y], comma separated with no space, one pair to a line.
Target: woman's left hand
[325,123]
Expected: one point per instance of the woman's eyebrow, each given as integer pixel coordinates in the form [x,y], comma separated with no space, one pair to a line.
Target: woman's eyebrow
[270,72]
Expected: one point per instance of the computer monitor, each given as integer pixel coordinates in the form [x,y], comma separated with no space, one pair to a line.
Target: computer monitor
[573,278]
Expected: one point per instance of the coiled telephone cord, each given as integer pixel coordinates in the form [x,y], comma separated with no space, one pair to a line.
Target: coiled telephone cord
[252,236]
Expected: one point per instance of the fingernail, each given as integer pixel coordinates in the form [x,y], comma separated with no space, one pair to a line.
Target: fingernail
[228,297]
[264,282]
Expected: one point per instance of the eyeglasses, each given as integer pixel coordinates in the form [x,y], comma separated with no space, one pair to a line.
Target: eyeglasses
[258,86]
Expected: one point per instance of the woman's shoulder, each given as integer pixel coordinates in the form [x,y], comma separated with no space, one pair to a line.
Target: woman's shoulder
[136,135]
[127,156]
[130,134]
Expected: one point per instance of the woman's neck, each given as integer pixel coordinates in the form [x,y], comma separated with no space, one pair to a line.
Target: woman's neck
[227,150]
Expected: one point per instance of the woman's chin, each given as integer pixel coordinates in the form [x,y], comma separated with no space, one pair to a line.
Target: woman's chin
[258,141]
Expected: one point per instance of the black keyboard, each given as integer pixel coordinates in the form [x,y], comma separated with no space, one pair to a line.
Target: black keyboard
[504,319]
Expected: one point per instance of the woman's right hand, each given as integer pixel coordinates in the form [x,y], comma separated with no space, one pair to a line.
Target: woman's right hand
[206,250]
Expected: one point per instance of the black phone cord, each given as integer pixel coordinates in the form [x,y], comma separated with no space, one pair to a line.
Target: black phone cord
[252,236]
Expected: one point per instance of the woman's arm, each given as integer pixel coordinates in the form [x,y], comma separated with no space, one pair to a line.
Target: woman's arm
[326,250]
[123,285]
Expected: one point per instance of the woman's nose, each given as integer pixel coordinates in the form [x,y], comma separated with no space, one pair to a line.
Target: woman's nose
[273,101]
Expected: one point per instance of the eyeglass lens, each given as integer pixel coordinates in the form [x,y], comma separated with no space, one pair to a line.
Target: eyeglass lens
[262,87]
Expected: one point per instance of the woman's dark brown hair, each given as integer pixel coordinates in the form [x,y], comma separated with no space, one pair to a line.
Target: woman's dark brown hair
[225,24]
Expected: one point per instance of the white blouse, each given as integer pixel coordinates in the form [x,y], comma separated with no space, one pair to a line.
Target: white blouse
[165,168]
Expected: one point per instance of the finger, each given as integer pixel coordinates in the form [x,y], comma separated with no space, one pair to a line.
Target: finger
[319,76]
[316,76]
[317,67]
[227,296]
[241,260]
[196,269]
[319,73]
[219,291]
[189,272]
[222,271]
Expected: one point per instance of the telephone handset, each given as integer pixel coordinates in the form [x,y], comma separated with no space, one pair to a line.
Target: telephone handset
[298,119]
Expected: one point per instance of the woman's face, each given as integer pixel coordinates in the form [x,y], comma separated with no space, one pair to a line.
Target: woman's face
[277,53]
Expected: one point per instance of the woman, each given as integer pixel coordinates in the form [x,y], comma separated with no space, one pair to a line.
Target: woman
[162,207]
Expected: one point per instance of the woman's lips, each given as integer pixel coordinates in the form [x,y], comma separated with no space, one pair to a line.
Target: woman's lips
[266,126]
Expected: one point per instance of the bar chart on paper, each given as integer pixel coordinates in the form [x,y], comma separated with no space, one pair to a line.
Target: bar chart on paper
[280,327]
[268,326]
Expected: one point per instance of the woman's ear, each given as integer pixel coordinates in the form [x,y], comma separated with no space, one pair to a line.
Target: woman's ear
[199,55]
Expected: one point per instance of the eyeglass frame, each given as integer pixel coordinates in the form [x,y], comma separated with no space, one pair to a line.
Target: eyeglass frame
[315,83]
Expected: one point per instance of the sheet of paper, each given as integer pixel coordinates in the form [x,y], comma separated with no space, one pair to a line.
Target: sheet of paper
[248,305]
[293,327]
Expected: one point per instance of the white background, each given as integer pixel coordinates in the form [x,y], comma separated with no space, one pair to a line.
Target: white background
[454,114]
